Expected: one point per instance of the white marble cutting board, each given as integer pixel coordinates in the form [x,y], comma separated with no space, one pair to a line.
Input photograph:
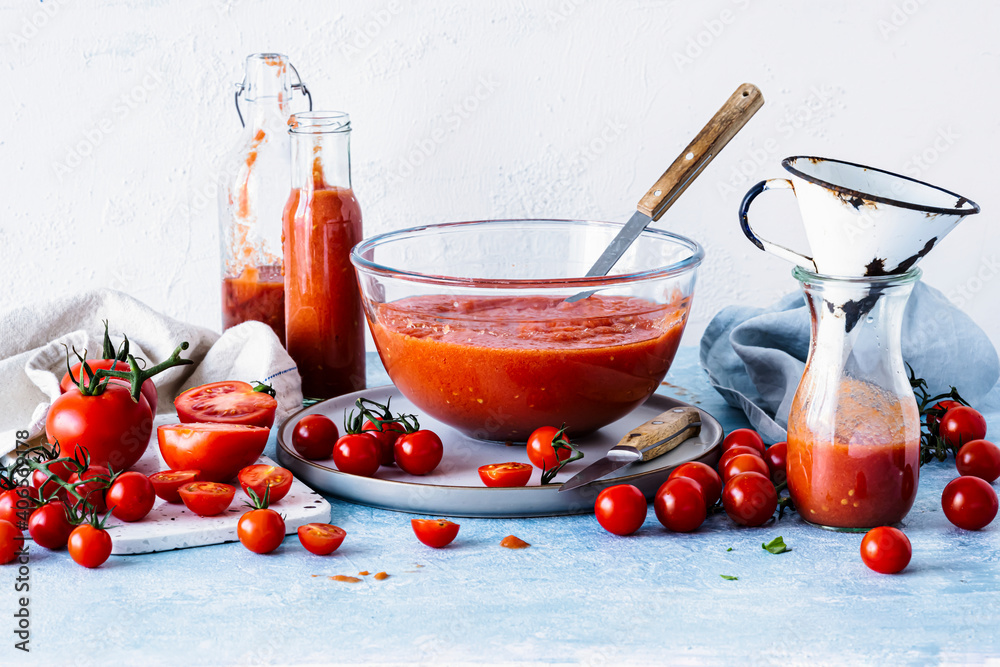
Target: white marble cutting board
[169,526]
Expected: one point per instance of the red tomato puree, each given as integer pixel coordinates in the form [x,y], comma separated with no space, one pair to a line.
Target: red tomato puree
[324,327]
[497,368]
[257,294]
[860,472]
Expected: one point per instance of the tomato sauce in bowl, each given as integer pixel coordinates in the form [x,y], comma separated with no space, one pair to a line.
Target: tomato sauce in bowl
[498,367]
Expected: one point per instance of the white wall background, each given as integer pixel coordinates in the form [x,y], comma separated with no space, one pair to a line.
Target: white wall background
[116,115]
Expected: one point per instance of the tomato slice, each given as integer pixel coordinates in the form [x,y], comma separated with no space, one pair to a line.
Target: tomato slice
[321,538]
[167,482]
[505,474]
[435,533]
[229,402]
[262,476]
[219,451]
[207,498]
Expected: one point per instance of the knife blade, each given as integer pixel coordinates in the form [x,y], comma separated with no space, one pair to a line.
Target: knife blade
[723,126]
[657,436]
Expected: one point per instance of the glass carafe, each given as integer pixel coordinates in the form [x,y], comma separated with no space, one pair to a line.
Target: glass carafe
[324,325]
[854,427]
[253,196]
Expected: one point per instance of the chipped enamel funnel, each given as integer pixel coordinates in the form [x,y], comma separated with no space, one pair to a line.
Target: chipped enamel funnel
[860,221]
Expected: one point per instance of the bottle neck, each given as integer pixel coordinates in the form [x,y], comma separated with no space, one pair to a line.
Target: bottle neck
[266,89]
[321,151]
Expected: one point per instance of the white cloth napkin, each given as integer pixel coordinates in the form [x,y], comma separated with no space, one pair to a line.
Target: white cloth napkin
[33,359]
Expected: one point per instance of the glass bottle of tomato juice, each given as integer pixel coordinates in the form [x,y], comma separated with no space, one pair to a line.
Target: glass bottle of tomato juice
[253,195]
[324,325]
[854,427]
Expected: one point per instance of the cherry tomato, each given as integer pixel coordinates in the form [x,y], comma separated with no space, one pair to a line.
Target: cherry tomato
[321,538]
[219,451]
[261,530]
[111,427]
[11,541]
[886,550]
[746,437]
[130,496]
[357,454]
[207,498]
[776,457]
[148,389]
[933,421]
[435,533]
[969,502]
[314,437]
[418,453]
[680,505]
[167,482]
[277,481]
[89,546]
[979,458]
[540,451]
[621,509]
[40,480]
[745,463]
[14,506]
[93,492]
[505,474]
[49,525]
[749,498]
[707,479]
[962,424]
[735,451]
[229,402]
[386,437]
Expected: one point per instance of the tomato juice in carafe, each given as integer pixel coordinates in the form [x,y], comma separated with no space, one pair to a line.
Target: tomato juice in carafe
[854,426]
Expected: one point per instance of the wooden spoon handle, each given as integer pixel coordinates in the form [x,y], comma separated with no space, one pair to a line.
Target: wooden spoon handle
[723,126]
[654,437]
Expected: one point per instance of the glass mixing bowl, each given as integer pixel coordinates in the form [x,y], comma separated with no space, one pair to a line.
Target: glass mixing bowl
[472,324]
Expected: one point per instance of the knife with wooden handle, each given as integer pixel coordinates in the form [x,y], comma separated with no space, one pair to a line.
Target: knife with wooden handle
[656,437]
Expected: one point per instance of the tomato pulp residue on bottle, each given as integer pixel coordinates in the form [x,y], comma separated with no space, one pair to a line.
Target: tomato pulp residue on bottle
[344,578]
[512,542]
[253,288]
[860,472]
[381,576]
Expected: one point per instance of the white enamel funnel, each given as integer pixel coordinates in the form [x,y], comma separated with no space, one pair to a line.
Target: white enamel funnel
[860,221]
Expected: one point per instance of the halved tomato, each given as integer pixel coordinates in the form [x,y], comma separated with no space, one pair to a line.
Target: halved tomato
[505,474]
[207,498]
[321,538]
[229,402]
[148,389]
[167,482]
[219,451]
[262,476]
[435,533]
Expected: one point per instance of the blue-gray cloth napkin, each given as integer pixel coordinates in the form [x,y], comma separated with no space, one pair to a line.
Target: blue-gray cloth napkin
[755,356]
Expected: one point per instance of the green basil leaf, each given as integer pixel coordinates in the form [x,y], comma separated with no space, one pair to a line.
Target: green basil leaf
[729,577]
[776,546]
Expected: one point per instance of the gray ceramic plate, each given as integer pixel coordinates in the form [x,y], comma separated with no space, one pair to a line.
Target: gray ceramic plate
[454,487]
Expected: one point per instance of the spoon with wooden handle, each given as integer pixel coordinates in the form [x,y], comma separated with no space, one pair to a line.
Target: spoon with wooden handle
[730,119]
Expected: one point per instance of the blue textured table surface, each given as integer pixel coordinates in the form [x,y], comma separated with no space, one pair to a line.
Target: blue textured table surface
[578,594]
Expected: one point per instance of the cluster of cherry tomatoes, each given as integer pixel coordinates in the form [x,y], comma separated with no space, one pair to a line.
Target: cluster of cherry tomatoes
[745,482]
[374,438]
